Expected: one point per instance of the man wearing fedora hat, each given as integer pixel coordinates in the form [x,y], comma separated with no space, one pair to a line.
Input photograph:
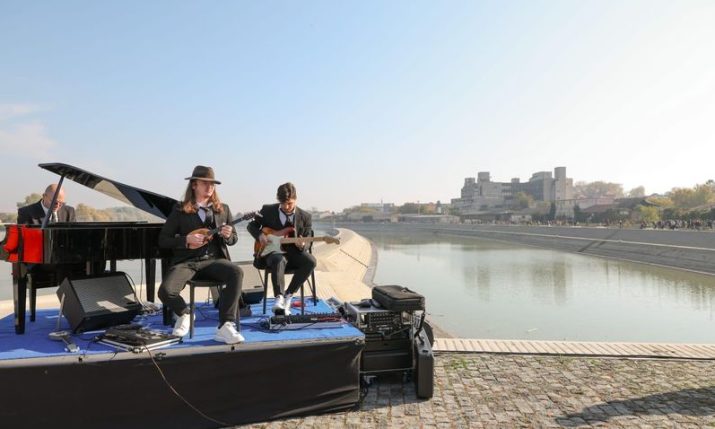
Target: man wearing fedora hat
[197,254]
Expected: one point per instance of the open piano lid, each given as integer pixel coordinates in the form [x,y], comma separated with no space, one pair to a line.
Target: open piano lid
[150,202]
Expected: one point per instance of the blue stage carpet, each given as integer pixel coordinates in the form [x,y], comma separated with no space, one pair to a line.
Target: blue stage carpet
[35,343]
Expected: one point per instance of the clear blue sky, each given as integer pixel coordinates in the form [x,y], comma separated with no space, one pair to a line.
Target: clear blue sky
[355,101]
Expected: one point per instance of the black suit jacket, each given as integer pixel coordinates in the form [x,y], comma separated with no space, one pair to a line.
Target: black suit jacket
[180,224]
[34,214]
[270,218]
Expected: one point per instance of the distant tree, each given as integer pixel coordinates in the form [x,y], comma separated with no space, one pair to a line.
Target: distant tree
[598,189]
[408,208]
[637,192]
[523,200]
[692,197]
[673,213]
[610,216]
[86,213]
[648,213]
[579,215]
[428,208]
[30,199]
[366,209]
[552,211]
[8,217]
[660,201]
[129,214]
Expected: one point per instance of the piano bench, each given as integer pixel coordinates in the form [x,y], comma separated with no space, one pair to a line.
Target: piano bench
[39,280]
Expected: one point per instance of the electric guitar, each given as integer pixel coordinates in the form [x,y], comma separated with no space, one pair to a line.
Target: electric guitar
[209,233]
[277,238]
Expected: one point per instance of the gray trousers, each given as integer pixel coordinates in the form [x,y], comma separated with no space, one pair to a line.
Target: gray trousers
[221,270]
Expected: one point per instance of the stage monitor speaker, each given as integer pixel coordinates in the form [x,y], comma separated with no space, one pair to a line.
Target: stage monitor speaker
[252,294]
[98,302]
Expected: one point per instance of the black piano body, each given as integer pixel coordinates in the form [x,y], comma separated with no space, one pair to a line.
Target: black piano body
[80,242]
[56,247]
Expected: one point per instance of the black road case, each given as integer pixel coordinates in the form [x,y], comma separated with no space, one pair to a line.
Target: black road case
[398,298]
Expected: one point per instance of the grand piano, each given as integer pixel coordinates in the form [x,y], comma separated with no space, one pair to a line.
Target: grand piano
[88,244]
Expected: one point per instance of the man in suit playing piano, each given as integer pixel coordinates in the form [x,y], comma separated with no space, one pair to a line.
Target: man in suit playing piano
[35,213]
[195,253]
[276,217]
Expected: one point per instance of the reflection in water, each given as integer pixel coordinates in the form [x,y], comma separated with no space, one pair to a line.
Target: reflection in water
[485,289]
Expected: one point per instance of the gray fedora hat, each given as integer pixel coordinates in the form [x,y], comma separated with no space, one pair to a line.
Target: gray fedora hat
[203,173]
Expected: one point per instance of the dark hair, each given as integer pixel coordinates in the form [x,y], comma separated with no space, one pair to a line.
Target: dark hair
[286,192]
[188,205]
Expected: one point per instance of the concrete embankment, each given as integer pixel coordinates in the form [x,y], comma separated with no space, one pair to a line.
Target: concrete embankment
[687,250]
[345,270]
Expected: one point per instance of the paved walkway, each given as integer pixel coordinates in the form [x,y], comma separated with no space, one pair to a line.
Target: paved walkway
[475,390]
[577,348]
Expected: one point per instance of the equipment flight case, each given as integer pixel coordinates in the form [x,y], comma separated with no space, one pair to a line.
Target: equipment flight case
[395,338]
[398,298]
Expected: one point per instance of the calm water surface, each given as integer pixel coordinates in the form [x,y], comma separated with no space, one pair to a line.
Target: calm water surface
[484,289]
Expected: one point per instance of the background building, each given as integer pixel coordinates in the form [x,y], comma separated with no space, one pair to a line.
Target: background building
[482,195]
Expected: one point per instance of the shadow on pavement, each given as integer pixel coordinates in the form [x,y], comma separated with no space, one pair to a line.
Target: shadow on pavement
[691,402]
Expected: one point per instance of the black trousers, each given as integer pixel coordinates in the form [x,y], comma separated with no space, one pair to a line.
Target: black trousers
[210,269]
[300,263]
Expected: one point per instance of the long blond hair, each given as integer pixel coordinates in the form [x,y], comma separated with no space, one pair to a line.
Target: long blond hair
[188,204]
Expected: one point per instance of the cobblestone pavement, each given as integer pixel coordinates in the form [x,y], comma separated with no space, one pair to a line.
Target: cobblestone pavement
[505,391]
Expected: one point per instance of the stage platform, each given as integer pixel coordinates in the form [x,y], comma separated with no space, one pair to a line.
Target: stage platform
[273,374]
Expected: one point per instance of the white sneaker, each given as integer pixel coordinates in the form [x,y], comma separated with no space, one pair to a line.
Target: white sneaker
[278,305]
[228,334]
[182,325]
[287,303]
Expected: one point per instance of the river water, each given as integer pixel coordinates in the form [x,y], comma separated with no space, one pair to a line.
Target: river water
[477,288]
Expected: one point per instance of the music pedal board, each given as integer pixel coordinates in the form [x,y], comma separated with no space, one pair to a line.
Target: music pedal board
[302,321]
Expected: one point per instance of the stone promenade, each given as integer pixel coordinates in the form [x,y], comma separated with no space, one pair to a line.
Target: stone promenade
[504,391]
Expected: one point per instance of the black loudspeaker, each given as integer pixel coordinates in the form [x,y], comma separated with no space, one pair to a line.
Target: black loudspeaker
[98,302]
[252,294]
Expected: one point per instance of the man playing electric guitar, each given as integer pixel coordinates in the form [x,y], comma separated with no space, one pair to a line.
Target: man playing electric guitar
[284,217]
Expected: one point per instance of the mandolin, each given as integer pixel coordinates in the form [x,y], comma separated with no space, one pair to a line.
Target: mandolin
[277,238]
[209,233]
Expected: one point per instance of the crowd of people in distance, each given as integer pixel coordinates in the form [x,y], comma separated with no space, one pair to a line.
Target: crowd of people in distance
[695,224]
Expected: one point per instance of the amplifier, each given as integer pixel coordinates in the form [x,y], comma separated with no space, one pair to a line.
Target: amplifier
[370,319]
